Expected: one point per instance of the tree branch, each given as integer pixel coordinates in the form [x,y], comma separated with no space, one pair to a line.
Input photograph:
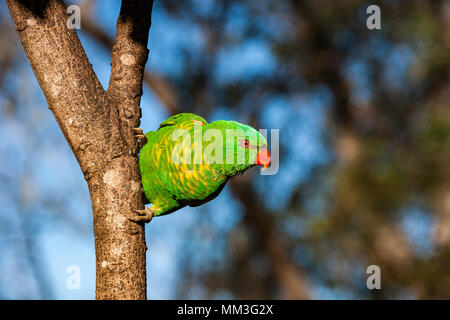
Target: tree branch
[64,74]
[97,126]
[163,90]
[130,53]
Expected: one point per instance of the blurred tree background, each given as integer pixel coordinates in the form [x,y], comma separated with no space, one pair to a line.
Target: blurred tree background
[364,178]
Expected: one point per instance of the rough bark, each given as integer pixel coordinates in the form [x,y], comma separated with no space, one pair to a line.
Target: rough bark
[159,85]
[290,278]
[98,127]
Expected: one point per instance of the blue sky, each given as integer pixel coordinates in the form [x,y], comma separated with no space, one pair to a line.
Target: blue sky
[52,171]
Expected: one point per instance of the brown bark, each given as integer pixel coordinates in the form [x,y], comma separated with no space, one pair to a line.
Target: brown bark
[160,86]
[291,279]
[289,276]
[98,127]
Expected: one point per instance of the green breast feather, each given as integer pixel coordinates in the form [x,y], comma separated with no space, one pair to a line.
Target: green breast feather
[188,161]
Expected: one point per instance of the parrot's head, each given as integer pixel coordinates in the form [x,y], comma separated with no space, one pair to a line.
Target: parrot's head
[243,146]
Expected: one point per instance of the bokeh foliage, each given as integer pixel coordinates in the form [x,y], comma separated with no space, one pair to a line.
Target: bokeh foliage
[364,119]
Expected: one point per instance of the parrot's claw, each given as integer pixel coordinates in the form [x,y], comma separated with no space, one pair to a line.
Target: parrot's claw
[139,134]
[145,215]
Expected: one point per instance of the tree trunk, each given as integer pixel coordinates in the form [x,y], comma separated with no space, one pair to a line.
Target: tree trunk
[98,127]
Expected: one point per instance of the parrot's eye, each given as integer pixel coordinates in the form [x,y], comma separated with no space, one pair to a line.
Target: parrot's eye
[245,143]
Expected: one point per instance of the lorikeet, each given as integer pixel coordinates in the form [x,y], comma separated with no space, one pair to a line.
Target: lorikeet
[188,161]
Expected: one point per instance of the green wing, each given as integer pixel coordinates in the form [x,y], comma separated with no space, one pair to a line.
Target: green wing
[168,184]
[181,118]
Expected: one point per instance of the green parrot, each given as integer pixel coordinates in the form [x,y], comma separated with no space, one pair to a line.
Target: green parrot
[186,162]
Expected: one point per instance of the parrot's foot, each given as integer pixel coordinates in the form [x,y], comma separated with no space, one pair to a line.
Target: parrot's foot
[139,134]
[145,215]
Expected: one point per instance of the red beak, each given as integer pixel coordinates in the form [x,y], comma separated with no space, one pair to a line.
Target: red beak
[263,158]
